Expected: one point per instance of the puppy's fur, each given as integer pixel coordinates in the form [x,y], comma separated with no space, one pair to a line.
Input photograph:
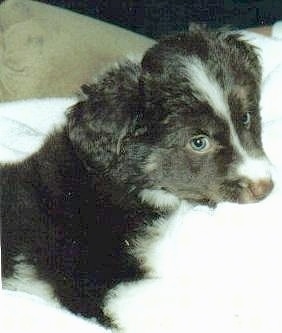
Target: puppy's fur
[183,124]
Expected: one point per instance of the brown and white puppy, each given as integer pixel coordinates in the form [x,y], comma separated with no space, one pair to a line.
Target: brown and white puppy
[182,125]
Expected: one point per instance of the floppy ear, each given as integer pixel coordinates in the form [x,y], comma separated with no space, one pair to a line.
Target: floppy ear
[155,84]
[246,52]
[109,112]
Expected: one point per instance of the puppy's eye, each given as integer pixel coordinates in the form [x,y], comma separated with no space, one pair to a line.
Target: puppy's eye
[246,119]
[200,143]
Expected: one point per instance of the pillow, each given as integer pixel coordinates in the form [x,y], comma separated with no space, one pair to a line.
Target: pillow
[49,51]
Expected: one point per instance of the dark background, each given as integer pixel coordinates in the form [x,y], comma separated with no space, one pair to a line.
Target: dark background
[156,17]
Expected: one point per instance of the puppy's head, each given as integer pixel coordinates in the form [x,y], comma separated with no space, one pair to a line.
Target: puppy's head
[185,123]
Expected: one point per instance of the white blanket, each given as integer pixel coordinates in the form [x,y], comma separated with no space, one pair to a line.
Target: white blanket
[234,253]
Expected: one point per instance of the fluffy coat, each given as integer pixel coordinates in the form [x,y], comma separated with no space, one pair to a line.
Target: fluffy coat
[181,126]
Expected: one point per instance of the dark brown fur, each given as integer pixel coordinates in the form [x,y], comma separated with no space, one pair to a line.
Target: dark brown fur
[71,208]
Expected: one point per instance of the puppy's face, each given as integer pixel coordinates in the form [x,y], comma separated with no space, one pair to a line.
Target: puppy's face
[182,125]
[205,87]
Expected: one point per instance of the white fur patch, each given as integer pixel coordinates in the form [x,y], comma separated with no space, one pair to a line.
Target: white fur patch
[255,169]
[210,91]
[159,199]
[151,249]
[211,272]
[205,87]
[252,168]
[25,280]
[24,313]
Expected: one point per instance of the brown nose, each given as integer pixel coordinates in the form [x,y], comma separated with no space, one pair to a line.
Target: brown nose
[260,189]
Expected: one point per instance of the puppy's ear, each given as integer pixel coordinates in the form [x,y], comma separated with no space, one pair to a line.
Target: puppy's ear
[247,53]
[155,85]
[108,113]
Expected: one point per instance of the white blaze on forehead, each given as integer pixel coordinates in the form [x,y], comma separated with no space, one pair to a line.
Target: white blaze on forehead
[205,86]
[253,168]
[207,89]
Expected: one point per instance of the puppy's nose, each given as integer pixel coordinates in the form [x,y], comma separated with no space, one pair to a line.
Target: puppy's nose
[260,189]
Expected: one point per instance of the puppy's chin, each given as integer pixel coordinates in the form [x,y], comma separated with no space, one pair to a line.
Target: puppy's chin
[160,199]
[163,200]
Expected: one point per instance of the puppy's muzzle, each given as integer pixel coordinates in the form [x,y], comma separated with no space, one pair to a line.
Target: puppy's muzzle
[253,191]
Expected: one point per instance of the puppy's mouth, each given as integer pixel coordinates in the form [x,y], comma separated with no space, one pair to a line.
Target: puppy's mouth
[241,191]
[167,200]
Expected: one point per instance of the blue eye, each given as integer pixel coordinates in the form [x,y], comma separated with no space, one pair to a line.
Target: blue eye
[246,119]
[200,143]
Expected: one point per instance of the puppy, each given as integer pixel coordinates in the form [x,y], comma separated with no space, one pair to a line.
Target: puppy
[181,126]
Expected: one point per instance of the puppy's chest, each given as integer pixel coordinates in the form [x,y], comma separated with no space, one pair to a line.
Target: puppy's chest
[162,248]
